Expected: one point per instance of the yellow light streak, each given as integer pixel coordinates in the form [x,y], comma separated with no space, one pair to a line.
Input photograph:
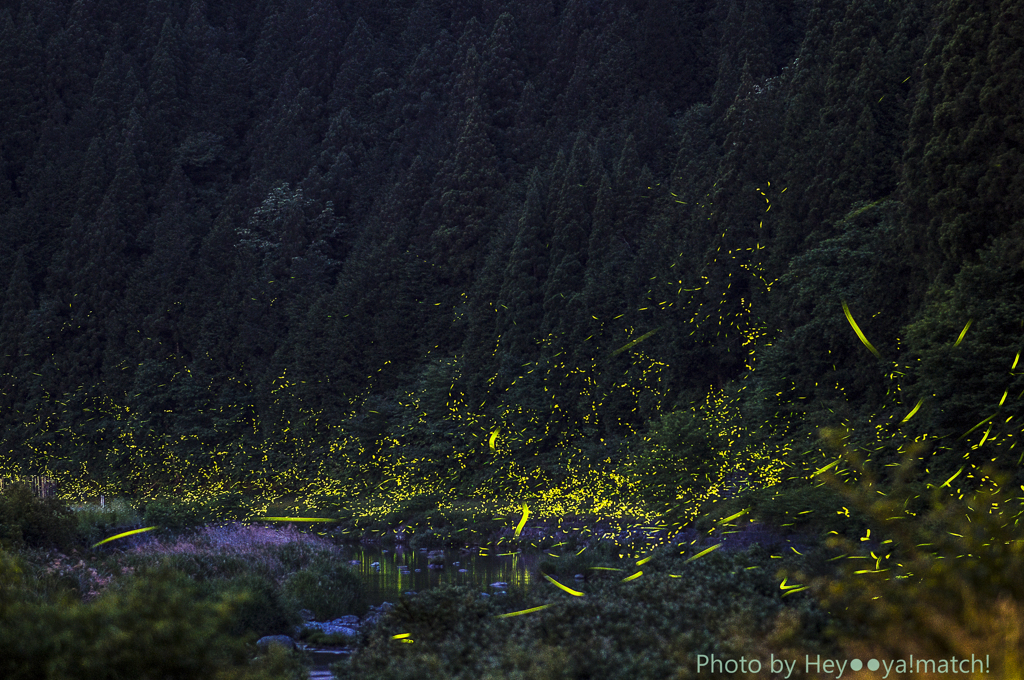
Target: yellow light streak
[522,522]
[523,611]
[702,553]
[565,588]
[122,535]
[963,332]
[857,330]
[913,410]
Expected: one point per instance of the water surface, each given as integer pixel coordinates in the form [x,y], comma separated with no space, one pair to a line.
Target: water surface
[388,572]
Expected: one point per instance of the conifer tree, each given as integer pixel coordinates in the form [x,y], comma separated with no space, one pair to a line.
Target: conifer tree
[468,197]
[520,305]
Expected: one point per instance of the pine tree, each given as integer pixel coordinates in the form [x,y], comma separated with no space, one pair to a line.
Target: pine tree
[166,93]
[520,302]
[321,47]
[570,231]
[502,76]
[468,193]
[22,68]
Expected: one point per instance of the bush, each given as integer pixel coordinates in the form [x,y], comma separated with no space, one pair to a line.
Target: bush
[154,625]
[647,629]
[225,507]
[798,507]
[567,566]
[96,523]
[948,583]
[202,566]
[315,636]
[173,517]
[258,610]
[327,589]
[422,503]
[676,456]
[27,521]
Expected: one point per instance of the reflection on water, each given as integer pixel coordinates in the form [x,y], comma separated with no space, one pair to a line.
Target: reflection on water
[387,573]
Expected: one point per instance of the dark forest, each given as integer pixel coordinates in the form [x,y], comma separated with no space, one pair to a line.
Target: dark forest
[283,239]
[610,257]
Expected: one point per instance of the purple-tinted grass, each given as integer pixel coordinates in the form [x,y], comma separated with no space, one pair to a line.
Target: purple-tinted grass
[234,538]
[273,552]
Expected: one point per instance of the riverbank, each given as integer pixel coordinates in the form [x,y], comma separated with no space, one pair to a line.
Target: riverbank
[605,598]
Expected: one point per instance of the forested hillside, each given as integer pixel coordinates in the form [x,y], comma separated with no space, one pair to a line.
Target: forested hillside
[482,245]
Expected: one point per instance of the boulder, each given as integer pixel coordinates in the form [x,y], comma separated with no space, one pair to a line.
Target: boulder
[264,643]
[375,613]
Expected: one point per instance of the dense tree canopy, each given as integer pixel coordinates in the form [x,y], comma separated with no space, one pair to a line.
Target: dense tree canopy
[260,225]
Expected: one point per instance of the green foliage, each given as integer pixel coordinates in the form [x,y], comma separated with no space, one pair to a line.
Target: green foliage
[315,636]
[946,584]
[326,588]
[676,456]
[422,503]
[173,517]
[29,521]
[203,566]
[154,625]
[225,507]
[568,565]
[649,628]
[96,523]
[799,506]
[817,368]
[258,610]
[967,381]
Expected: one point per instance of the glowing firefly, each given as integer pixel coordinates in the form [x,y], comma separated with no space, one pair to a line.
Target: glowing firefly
[860,334]
[122,535]
[565,588]
[522,522]
[524,611]
[913,411]
[702,553]
[963,332]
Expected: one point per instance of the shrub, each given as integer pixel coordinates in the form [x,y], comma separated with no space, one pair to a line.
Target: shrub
[152,626]
[676,456]
[948,584]
[796,507]
[225,507]
[567,566]
[96,523]
[422,503]
[202,566]
[258,610]
[647,629]
[173,517]
[27,521]
[326,588]
[315,636]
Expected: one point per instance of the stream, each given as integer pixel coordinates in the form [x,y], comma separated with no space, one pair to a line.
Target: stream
[388,573]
